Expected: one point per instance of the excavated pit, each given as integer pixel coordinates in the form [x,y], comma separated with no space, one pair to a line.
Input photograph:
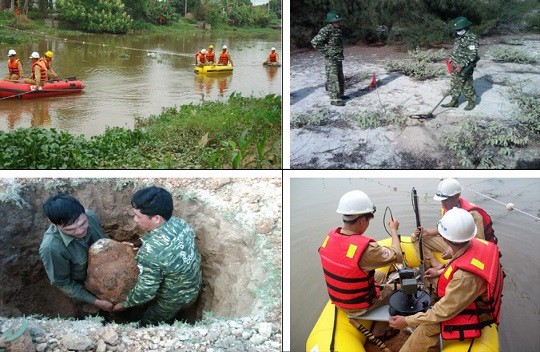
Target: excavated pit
[228,262]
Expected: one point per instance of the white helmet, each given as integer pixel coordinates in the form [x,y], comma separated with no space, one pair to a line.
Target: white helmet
[447,188]
[355,203]
[224,47]
[273,49]
[11,52]
[203,51]
[457,225]
[35,55]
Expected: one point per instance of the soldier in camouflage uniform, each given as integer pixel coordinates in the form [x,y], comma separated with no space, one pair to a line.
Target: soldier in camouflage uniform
[169,262]
[329,42]
[464,58]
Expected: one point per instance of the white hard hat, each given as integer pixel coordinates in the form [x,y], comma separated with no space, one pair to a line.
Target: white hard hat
[457,225]
[203,51]
[273,49]
[11,52]
[447,188]
[355,203]
[35,55]
[224,47]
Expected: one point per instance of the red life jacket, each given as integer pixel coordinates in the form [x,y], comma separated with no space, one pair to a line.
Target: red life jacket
[13,67]
[223,58]
[482,259]
[210,56]
[42,68]
[201,58]
[349,286]
[46,62]
[489,233]
[273,56]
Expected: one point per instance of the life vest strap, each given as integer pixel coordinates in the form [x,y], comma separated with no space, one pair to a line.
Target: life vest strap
[343,279]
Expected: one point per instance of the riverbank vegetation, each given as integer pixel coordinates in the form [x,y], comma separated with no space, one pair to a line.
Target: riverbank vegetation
[242,133]
[411,23]
[122,16]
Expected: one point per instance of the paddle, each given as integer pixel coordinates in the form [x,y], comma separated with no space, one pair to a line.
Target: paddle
[18,95]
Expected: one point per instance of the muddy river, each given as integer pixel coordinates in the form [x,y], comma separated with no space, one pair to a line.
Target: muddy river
[313,205]
[137,75]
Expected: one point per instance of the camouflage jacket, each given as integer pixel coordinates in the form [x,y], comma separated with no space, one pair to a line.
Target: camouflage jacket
[329,41]
[169,265]
[65,258]
[465,50]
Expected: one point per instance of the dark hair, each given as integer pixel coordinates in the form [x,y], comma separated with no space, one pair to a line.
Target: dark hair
[62,209]
[153,201]
[368,216]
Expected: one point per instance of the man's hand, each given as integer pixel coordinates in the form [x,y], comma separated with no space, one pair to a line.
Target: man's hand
[119,307]
[447,253]
[394,224]
[103,304]
[433,273]
[129,244]
[458,69]
[397,322]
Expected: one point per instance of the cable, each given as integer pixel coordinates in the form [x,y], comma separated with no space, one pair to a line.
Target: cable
[384,219]
[509,206]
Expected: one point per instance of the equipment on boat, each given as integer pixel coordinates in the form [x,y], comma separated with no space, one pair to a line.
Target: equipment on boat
[18,89]
[214,69]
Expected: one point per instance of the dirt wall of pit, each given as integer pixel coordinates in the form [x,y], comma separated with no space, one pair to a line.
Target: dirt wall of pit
[231,270]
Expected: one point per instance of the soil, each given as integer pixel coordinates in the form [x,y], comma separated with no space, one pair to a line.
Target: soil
[337,142]
[238,228]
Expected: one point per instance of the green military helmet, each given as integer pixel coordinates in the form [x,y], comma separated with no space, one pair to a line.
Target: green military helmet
[333,16]
[460,23]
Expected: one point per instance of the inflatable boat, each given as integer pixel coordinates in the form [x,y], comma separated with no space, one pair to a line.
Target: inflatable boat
[18,89]
[214,69]
[333,326]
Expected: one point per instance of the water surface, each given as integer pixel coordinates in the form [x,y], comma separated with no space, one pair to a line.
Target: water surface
[137,75]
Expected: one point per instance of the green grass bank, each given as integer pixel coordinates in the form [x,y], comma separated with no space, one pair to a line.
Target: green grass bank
[241,133]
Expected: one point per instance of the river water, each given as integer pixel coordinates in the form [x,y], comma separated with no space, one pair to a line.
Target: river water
[313,204]
[137,75]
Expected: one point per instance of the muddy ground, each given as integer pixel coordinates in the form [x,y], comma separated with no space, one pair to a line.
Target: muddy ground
[238,228]
[335,141]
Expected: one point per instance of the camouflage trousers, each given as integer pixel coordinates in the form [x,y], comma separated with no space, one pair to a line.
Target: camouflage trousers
[462,84]
[160,310]
[335,82]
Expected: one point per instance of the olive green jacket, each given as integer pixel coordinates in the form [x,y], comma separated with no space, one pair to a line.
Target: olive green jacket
[65,258]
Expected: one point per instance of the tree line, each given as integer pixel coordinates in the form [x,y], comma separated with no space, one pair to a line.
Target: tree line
[120,16]
[411,22]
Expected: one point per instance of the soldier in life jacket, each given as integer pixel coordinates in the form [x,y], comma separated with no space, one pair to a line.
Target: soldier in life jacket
[210,55]
[15,70]
[449,194]
[200,58]
[47,58]
[224,57]
[349,258]
[272,59]
[39,72]
[469,288]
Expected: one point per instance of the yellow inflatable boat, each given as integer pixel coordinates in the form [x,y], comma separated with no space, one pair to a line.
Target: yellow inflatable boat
[214,69]
[334,322]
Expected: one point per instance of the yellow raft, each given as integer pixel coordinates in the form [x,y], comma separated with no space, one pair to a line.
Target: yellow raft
[214,69]
[347,338]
